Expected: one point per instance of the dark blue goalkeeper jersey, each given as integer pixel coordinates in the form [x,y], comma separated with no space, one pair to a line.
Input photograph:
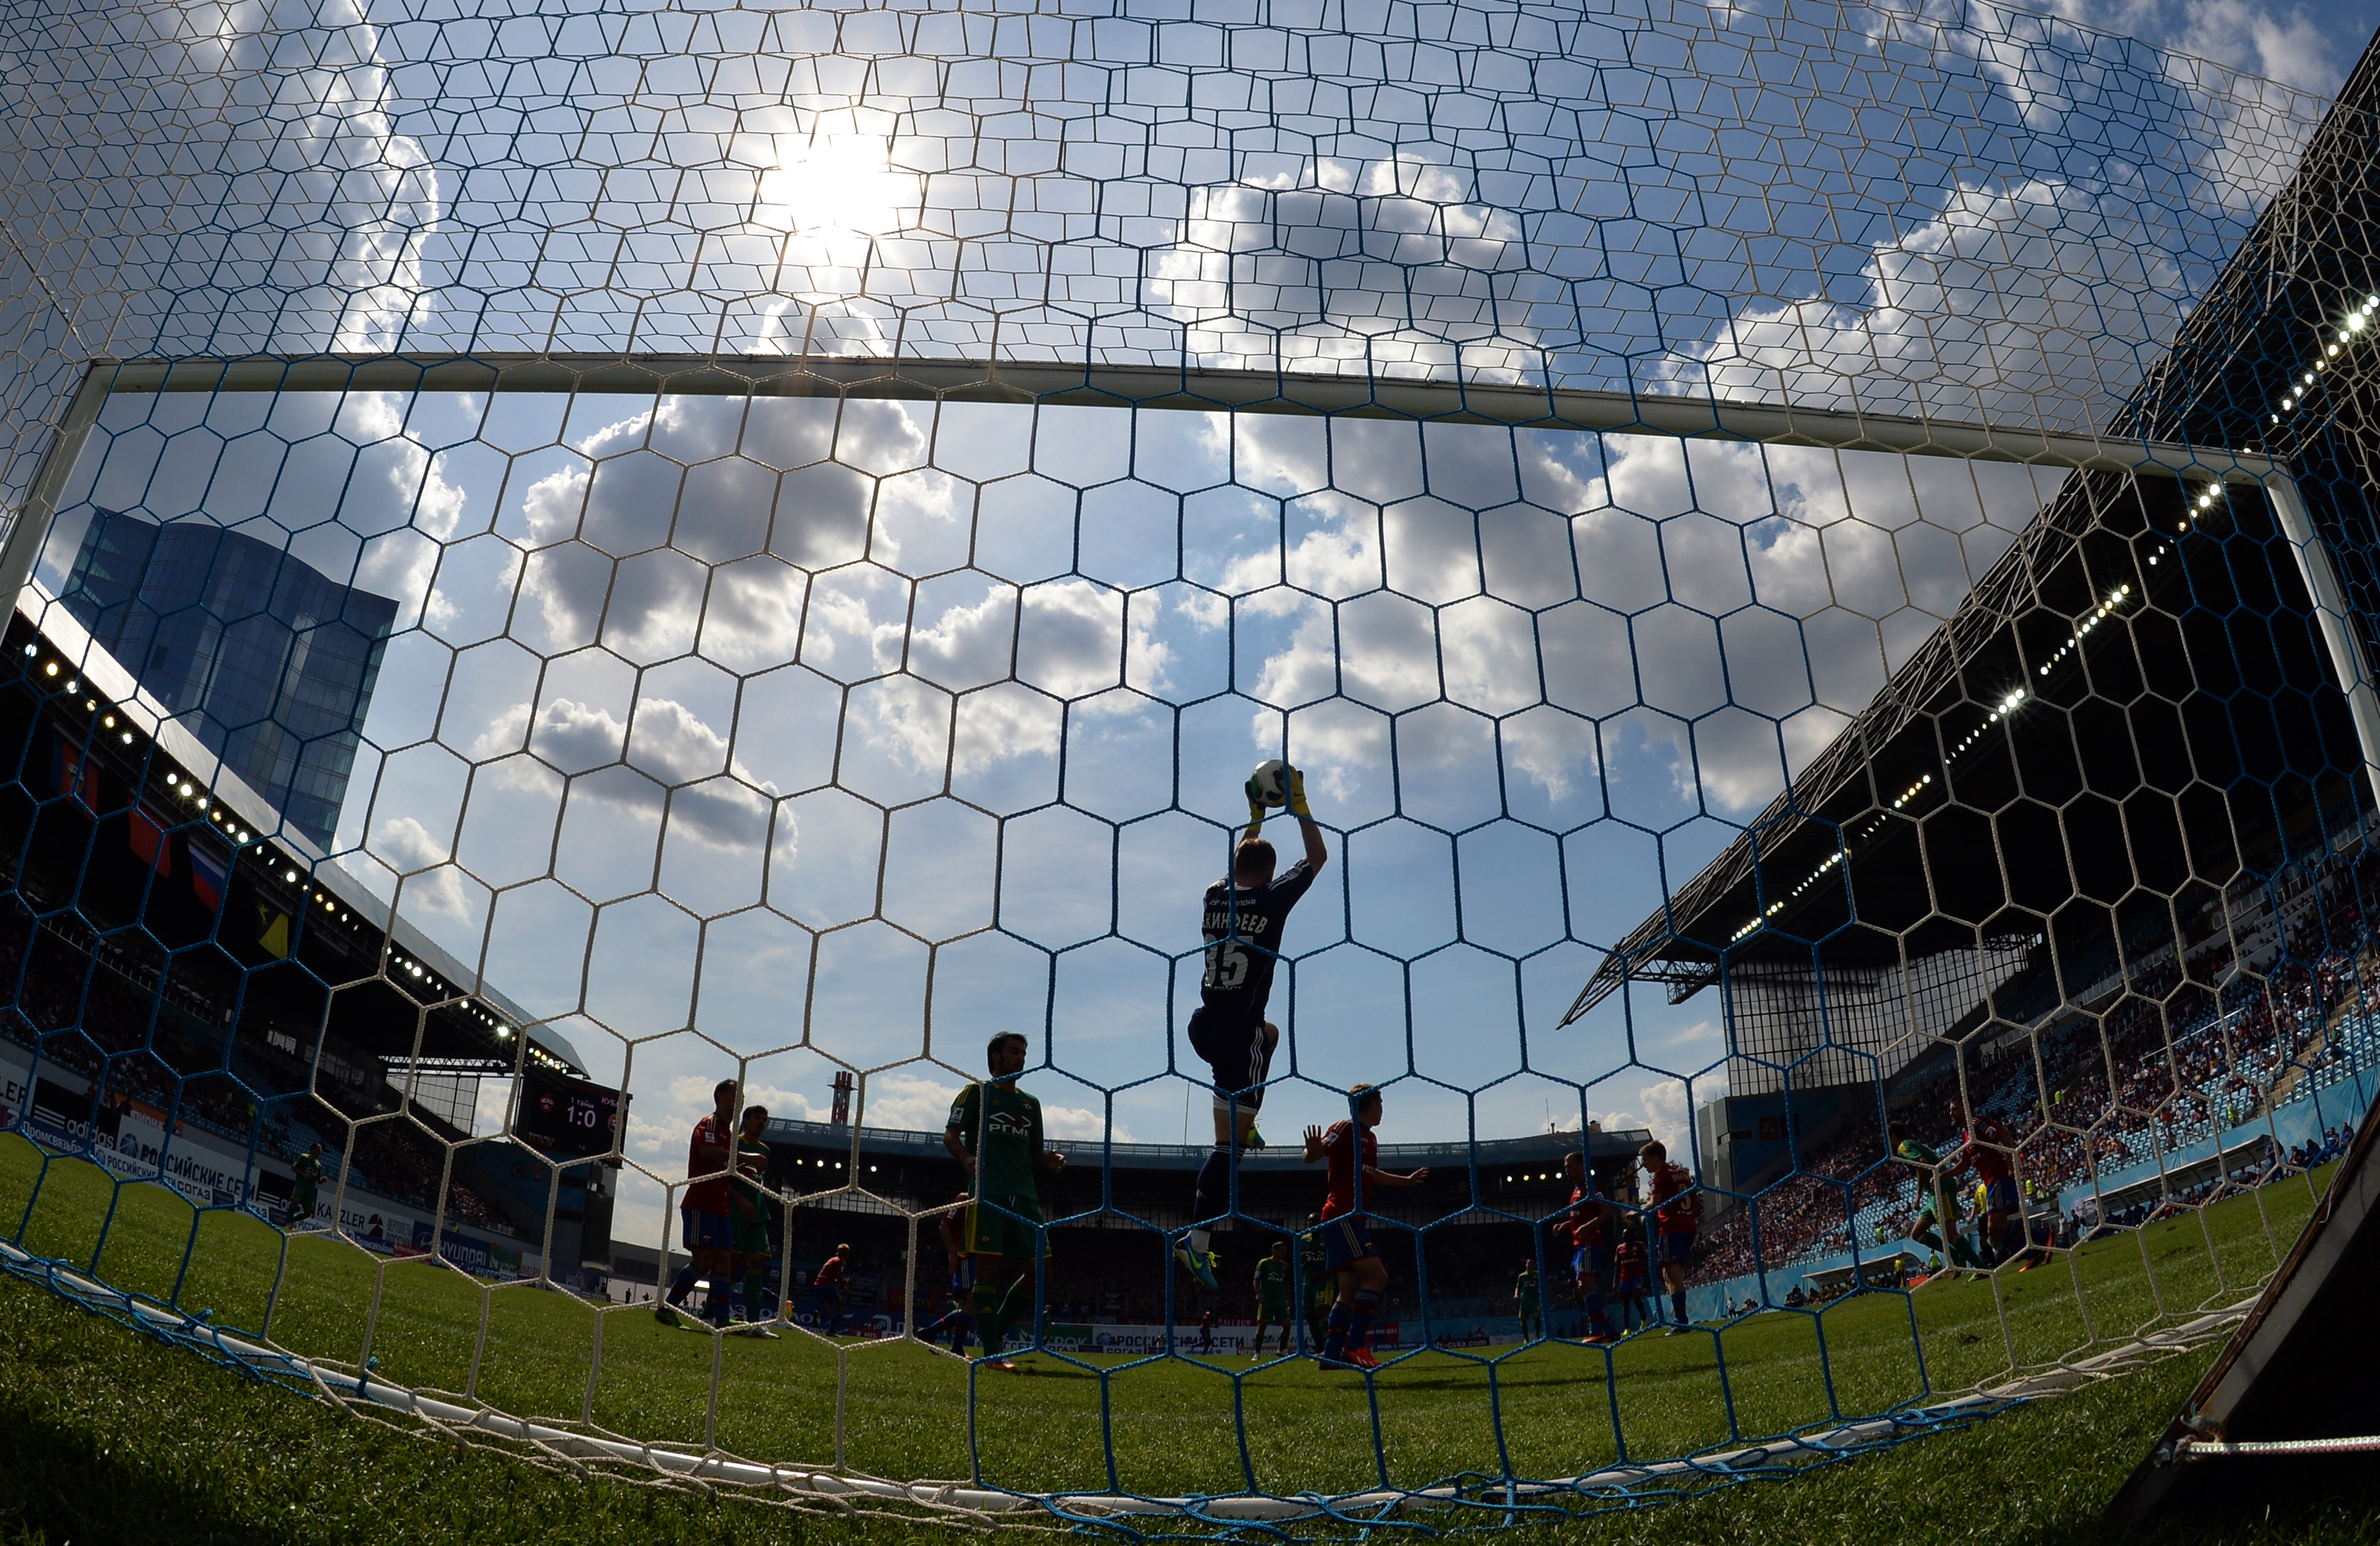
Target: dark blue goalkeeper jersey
[1242,929]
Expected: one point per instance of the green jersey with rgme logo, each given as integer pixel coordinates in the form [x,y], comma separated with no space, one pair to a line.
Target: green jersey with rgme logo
[1002,1131]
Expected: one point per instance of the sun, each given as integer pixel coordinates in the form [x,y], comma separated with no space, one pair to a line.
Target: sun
[839,184]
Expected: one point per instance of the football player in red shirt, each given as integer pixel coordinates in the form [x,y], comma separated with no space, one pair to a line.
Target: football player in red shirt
[707,1233]
[827,1288]
[1590,1224]
[1347,1246]
[1674,1208]
[1990,1149]
[1631,1267]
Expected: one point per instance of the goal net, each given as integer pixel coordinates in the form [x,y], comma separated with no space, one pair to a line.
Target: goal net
[1796,569]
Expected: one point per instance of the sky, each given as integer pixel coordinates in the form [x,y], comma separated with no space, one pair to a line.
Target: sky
[2306,45]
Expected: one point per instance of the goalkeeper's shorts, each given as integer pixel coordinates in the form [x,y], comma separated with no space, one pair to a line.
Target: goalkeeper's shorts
[1234,1050]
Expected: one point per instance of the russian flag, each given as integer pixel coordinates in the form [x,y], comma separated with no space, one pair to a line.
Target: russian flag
[208,876]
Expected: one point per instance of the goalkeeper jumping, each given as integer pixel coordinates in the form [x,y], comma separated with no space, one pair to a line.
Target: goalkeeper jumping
[1228,1030]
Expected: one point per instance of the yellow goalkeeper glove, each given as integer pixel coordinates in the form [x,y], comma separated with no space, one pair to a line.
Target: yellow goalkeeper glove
[1297,806]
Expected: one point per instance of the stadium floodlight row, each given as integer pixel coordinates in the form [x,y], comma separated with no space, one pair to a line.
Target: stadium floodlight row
[564,561]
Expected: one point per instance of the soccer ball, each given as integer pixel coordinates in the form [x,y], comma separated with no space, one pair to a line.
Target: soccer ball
[1268,785]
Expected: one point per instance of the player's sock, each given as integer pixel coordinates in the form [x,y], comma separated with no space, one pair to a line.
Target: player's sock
[1015,1305]
[987,1315]
[1334,1339]
[682,1285]
[1678,1303]
[756,1283]
[1359,1319]
[722,1301]
[1595,1324]
[1212,1196]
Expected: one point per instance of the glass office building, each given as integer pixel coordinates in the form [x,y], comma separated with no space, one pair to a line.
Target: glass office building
[266,659]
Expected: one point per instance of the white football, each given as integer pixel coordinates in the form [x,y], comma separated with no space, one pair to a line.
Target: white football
[1268,785]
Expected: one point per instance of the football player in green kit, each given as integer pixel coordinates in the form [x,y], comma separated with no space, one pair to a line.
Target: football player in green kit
[1271,1282]
[995,1134]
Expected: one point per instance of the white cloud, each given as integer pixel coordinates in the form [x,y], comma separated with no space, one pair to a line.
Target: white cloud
[577,737]
[906,719]
[1069,639]
[437,888]
[1003,722]
[2294,43]
[2012,306]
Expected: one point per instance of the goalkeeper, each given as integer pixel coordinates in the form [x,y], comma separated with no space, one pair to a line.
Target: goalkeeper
[1937,1206]
[1228,1030]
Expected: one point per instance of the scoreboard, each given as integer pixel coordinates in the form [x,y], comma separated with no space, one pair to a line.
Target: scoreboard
[566,1118]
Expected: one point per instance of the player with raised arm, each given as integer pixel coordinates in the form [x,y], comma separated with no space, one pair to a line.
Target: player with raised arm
[1271,1282]
[1591,1224]
[1938,1205]
[995,1134]
[704,1227]
[748,1198]
[1352,1153]
[1242,924]
[1675,1211]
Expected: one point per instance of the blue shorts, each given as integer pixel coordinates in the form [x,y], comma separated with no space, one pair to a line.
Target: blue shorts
[1236,1058]
[830,1295]
[1587,1261]
[962,1279]
[1345,1241]
[1678,1249]
[1999,1197]
[707,1232]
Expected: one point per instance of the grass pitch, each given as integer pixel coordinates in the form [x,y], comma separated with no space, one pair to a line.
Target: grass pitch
[137,1421]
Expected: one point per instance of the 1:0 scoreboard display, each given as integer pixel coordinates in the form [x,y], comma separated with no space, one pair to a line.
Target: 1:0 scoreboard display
[566,1117]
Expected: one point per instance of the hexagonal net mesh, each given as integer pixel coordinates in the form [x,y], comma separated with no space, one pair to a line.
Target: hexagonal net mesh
[467,782]
[523,856]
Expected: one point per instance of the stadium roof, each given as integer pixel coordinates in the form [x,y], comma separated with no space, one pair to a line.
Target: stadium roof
[2005,684]
[470,1040]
